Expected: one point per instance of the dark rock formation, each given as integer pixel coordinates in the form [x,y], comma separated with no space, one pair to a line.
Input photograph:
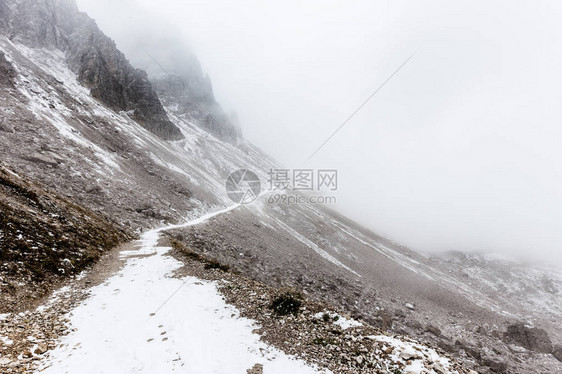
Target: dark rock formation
[534,339]
[399,313]
[197,102]
[433,330]
[5,126]
[94,57]
[179,80]
[158,48]
[496,366]
[469,349]
[557,352]
[7,71]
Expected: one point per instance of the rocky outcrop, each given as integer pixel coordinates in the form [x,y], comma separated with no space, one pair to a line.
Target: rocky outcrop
[7,71]
[534,339]
[433,330]
[181,84]
[496,366]
[256,369]
[557,352]
[44,158]
[112,79]
[94,57]
[196,102]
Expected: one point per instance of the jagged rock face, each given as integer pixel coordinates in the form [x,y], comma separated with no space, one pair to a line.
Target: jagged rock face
[101,67]
[178,78]
[195,100]
[94,57]
[44,23]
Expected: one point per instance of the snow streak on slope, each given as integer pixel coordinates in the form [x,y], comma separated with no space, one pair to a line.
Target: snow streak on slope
[422,269]
[46,104]
[322,253]
[128,325]
[132,167]
[210,160]
[201,159]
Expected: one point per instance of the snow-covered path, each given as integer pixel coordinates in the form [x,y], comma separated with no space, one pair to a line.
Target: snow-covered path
[117,330]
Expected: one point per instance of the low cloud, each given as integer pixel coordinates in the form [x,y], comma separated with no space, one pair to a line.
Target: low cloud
[460,151]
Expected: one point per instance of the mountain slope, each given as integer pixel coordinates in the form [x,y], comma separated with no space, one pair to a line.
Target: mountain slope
[334,260]
[44,238]
[99,65]
[97,136]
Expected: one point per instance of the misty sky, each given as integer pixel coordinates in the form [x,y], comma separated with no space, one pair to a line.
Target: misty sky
[461,150]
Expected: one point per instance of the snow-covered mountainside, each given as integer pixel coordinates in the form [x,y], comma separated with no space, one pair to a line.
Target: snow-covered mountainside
[77,117]
[104,158]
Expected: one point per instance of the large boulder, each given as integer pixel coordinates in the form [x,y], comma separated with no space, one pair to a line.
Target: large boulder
[7,71]
[497,366]
[557,352]
[433,330]
[41,158]
[534,339]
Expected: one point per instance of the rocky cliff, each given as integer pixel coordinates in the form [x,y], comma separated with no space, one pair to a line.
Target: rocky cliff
[99,65]
[178,78]
[200,106]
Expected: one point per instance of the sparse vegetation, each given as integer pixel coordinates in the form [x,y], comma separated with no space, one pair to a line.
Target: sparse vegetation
[289,301]
[209,263]
[177,246]
[44,237]
[327,317]
[213,264]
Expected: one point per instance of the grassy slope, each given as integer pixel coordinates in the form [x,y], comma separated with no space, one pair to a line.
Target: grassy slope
[43,239]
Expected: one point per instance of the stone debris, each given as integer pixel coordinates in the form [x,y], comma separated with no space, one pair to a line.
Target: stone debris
[257,369]
[410,306]
[320,334]
[27,337]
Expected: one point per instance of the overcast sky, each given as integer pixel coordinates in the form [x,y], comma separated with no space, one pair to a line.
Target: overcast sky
[461,150]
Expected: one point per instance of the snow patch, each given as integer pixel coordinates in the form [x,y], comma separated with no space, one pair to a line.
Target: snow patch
[337,319]
[131,324]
